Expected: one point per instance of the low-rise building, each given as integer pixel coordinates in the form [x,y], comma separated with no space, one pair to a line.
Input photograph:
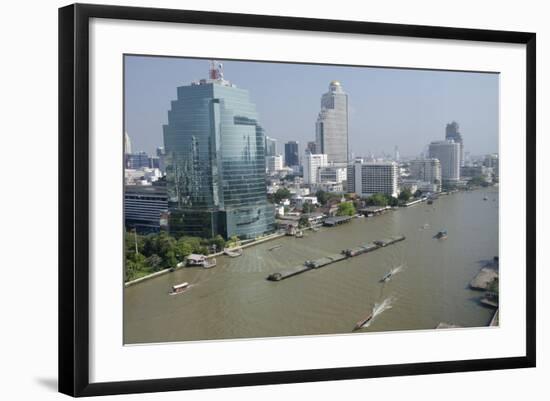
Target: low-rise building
[144,207]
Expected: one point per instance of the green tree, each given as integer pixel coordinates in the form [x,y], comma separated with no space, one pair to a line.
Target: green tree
[183,248]
[280,194]
[346,209]
[377,200]
[322,197]
[130,239]
[154,262]
[218,242]
[136,266]
[405,195]
[418,193]
[233,241]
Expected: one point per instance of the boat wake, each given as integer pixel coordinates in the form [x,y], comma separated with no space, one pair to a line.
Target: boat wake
[388,276]
[378,309]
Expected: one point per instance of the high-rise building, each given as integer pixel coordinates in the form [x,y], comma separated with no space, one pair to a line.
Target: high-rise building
[215,161]
[270,146]
[274,163]
[291,154]
[452,132]
[127,144]
[426,170]
[312,164]
[331,128]
[369,178]
[448,154]
[312,147]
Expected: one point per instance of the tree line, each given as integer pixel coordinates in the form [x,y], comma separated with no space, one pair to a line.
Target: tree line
[146,254]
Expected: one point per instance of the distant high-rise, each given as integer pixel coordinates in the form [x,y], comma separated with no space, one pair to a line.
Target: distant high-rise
[291,154]
[369,178]
[312,164]
[448,154]
[396,155]
[426,170]
[331,128]
[127,144]
[215,161]
[311,147]
[270,146]
[452,132]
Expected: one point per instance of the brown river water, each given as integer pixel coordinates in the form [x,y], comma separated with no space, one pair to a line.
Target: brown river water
[234,299]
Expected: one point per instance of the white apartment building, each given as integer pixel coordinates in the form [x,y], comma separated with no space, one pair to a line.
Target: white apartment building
[426,170]
[312,164]
[448,154]
[368,178]
[332,174]
[274,163]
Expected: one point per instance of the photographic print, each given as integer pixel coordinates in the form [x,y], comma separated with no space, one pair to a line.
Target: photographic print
[273,199]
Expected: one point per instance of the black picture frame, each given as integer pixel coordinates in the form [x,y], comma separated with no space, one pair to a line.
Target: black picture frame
[74,201]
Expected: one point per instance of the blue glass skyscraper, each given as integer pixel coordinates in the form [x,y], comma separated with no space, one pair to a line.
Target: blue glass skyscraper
[215,162]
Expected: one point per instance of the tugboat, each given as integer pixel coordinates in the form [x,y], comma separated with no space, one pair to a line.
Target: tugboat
[179,288]
[441,235]
[362,323]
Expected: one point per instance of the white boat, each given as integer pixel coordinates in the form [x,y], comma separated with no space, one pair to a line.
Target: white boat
[179,288]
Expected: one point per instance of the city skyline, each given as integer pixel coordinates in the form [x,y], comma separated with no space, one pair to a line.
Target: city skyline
[426,101]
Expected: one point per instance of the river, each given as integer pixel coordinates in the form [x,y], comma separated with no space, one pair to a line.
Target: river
[234,299]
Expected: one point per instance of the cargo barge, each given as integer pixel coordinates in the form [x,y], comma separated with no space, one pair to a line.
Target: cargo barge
[329,259]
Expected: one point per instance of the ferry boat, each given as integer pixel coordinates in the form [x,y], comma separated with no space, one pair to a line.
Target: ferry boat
[441,235]
[362,323]
[179,288]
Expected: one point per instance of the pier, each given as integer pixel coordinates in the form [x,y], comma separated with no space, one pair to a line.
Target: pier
[333,258]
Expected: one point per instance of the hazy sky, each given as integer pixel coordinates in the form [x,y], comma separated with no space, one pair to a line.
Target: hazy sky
[387,107]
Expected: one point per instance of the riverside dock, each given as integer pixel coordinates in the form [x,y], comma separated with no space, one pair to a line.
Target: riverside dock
[333,258]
